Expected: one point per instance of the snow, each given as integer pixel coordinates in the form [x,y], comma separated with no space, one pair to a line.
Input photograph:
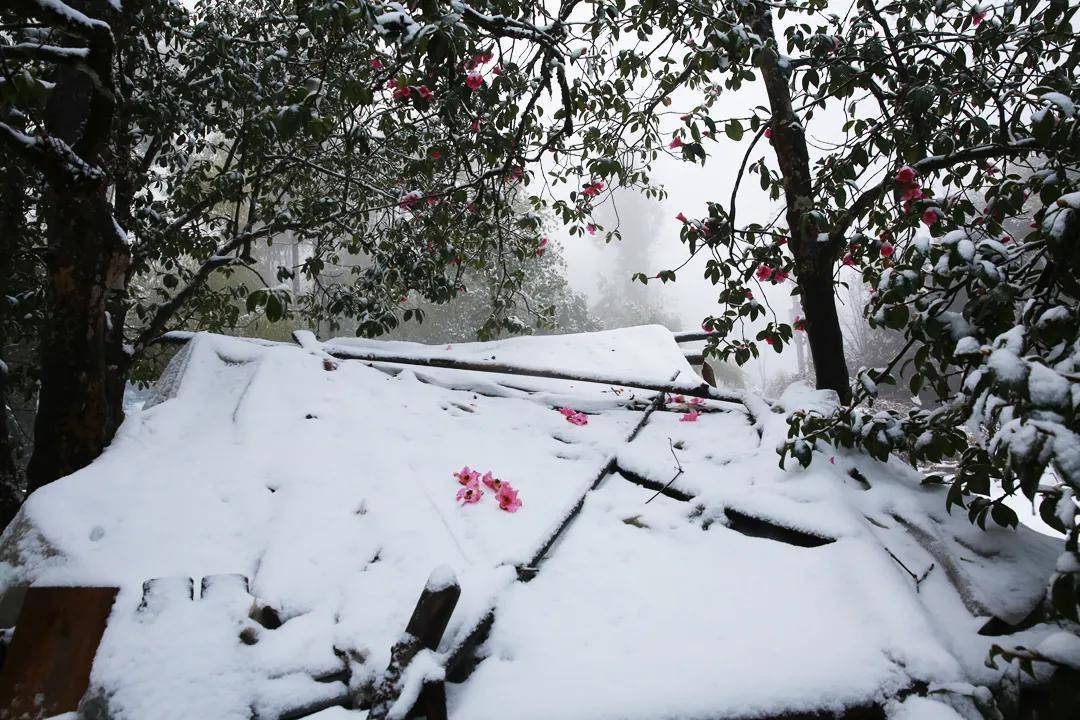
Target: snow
[1047,388]
[1062,647]
[799,396]
[923,708]
[967,346]
[1063,102]
[441,578]
[331,490]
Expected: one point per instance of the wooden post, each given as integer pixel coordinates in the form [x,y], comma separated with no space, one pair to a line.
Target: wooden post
[159,593]
[47,670]
[424,631]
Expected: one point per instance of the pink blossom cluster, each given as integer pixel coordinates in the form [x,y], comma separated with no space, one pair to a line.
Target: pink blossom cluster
[692,404]
[408,200]
[403,91]
[574,417]
[592,189]
[474,79]
[766,273]
[471,492]
[913,192]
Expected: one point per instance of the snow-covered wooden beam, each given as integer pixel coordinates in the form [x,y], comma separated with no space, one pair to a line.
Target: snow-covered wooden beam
[752,404]
[406,682]
[692,336]
[700,389]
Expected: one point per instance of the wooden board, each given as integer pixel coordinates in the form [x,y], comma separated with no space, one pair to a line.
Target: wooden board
[47,669]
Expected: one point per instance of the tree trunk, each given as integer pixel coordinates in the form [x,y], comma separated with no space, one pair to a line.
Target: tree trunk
[814,260]
[12,220]
[87,255]
[74,417]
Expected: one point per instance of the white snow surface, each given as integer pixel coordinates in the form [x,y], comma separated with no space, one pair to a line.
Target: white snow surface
[332,492]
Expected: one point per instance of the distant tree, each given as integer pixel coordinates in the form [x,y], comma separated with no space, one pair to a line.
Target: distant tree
[541,302]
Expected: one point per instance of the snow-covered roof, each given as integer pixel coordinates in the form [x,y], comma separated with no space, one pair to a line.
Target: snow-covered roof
[741,590]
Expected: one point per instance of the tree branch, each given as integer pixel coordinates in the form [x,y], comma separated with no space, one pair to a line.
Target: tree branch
[930,164]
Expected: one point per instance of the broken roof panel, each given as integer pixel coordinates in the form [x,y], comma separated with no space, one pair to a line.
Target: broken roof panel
[740,590]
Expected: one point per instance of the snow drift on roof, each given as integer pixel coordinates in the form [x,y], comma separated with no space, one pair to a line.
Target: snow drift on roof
[740,590]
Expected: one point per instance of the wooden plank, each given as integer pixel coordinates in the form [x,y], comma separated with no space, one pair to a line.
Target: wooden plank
[424,631]
[47,669]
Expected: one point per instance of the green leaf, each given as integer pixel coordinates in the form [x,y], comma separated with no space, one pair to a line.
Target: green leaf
[734,130]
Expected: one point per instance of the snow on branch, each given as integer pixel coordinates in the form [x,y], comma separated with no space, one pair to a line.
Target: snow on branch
[61,14]
[52,156]
[931,164]
[47,53]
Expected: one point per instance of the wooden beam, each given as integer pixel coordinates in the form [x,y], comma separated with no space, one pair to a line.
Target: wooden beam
[47,669]
[700,389]
[424,631]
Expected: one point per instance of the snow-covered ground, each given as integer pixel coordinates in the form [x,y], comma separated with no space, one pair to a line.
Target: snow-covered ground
[742,591]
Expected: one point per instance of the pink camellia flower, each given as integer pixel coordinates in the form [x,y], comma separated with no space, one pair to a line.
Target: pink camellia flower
[906,175]
[496,70]
[911,194]
[696,401]
[541,247]
[474,80]
[1006,238]
[681,218]
[768,133]
[930,217]
[848,260]
[764,272]
[691,416]
[887,249]
[432,202]
[977,16]
[781,240]
[475,128]
[483,58]
[779,276]
[769,340]
[591,229]
[466,474]
[676,143]
[491,481]
[574,417]
[749,294]
[435,154]
[425,93]
[799,323]
[517,172]
[592,189]
[508,498]
[678,399]
[470,494]
[376,64]
[402,92]
[409,200]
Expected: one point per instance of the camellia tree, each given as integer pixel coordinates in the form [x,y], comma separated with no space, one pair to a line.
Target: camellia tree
[942,129]
[160,145]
